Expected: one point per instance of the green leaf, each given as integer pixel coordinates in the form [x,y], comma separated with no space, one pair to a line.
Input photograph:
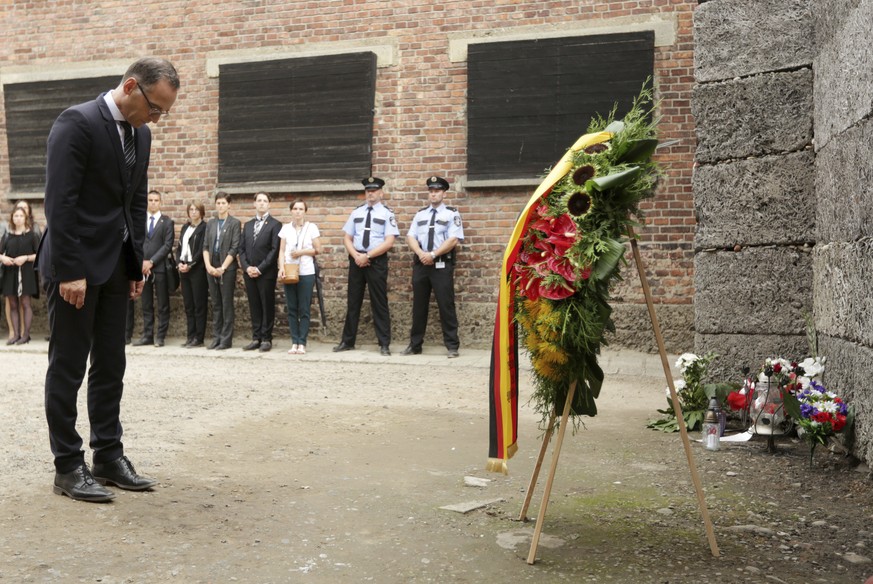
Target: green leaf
[611,181]
[693,419]
[615,127]
[606,263]
[792,405]
[639,151]
[666,425]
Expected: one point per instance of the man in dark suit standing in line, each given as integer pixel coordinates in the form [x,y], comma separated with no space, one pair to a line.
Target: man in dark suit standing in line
[160,232]
[91,260]
[220,248]
[257,258]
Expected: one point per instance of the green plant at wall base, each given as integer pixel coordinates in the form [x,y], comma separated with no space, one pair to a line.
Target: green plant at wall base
[693,394]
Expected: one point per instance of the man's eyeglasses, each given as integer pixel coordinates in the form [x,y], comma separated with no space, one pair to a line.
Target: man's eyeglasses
[153,109]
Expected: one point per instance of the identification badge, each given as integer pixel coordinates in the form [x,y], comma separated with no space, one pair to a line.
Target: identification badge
[440,265]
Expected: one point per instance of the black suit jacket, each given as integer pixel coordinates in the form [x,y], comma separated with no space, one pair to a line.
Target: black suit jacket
[263,251]
[160,245]
[90,197]
[195,244]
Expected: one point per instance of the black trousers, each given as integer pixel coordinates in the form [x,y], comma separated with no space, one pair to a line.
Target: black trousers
[195,295]
[155,291]
[442,282]
[96,331]
[261,292]
[375,279]
[221,291]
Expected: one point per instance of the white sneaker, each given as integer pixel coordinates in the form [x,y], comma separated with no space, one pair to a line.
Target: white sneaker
[301,349]
[293,350]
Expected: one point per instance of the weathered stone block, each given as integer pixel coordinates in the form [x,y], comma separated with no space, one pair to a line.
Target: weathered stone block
[844,186]
[633,327]
[738,351]
[843,76]
[743,37]
[765,114]
[758,201]
[828,18]
[764,290]
[842,301]
[848,370]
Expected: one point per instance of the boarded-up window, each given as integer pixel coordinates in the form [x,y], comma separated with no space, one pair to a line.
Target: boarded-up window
[302,119]
[528,101]
[31,109]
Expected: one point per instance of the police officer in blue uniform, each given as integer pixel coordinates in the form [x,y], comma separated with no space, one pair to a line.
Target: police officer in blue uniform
[433,237]
[369,234]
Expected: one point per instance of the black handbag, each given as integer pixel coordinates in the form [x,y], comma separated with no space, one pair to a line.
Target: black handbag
[173,278]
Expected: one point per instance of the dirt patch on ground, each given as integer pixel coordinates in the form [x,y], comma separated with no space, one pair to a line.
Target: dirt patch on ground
[333,468]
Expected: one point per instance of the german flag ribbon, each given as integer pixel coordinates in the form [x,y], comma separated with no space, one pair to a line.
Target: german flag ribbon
[503,391]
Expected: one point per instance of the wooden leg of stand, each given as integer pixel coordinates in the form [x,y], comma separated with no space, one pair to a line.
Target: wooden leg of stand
[536,472]
[677,407]
[565,417]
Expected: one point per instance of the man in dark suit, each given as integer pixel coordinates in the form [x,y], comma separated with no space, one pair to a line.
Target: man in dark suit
[91,260]
[160,232]
[220,248]
[257,257]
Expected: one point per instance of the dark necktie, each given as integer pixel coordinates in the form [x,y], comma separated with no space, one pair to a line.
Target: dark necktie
[366,241]
[129,146]
[258,224]
[151,226]
[430,230]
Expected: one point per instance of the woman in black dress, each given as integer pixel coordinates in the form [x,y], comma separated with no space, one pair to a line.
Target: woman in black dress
[18,253]
[189,258]
[33,226]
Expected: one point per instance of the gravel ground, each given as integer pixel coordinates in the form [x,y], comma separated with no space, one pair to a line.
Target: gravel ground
[334,468]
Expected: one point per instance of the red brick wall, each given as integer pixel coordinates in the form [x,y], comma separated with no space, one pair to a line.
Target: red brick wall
[420,126]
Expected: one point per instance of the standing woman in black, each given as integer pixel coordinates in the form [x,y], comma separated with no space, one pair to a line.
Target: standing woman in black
[189,258]
[18,253]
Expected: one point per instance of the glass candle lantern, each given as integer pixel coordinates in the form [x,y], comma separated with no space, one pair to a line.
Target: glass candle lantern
[766,411]
[711,430]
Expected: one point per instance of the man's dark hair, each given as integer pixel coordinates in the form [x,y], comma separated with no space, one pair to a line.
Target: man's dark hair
[150,70]
[156,192]
[222,195]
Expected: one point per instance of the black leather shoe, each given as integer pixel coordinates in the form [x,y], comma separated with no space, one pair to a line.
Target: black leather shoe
[385,351]
[143,341]
[222,347]
[265,346]
[410,350]
[343,347]
[159,343]
[252,346]
[120,472]
[453,353]
[79,485]
[213,345]
[194,344]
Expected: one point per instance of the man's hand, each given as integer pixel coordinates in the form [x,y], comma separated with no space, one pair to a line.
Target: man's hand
[74,292]
[147,266]
[135,289]
[253,272]
[362,260]
[425,258]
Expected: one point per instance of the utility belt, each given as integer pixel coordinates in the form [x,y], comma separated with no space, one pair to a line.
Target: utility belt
[448,258]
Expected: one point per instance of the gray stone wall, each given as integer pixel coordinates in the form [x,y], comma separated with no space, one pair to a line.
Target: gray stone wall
[843,257]
[783,188]
[753,182]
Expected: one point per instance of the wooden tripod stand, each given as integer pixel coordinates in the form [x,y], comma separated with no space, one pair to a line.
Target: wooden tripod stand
[695,478]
